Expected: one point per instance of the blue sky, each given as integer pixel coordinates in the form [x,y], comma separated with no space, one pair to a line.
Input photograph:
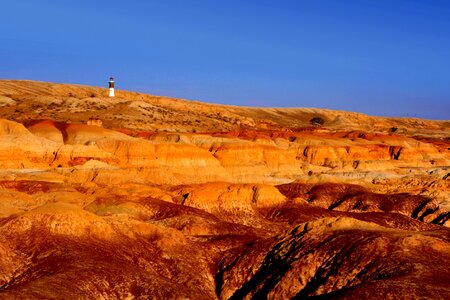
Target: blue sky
[379,57]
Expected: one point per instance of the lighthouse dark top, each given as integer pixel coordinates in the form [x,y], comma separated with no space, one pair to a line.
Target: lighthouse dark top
[111,82]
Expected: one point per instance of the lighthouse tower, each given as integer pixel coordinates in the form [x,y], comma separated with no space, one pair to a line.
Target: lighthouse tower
[111,87]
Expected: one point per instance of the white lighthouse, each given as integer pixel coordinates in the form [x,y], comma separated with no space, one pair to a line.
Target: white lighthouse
[111,87]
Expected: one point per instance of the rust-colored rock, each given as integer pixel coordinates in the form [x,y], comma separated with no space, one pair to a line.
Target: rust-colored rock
[176,199]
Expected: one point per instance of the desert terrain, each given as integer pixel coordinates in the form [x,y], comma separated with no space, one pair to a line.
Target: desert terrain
[149,197]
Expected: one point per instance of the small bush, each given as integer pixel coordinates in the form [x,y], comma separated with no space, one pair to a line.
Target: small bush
[317,121]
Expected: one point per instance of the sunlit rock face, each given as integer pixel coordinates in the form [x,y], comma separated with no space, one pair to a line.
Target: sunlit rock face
[176,199]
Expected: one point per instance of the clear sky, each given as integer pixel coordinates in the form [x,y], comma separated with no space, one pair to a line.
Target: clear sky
[380,57]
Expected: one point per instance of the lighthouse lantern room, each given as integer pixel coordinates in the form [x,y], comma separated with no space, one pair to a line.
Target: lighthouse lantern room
[111,87]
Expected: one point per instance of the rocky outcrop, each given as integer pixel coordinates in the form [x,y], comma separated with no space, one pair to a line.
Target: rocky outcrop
[81,245]
[235,203]
[354,198]
[48,130]
[336,258]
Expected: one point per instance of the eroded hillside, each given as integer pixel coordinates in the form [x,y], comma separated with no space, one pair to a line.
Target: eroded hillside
[143,196]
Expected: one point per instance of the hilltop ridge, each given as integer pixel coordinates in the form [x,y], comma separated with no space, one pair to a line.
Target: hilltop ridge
[136,111]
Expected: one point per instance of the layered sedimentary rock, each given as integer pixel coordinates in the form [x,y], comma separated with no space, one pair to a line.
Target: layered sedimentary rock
[308,260]
[175,199]
[211,158]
